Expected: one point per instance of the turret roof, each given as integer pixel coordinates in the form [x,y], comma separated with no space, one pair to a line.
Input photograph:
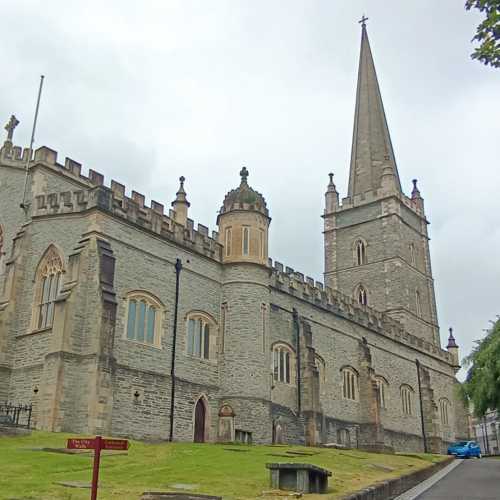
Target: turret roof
[244,198]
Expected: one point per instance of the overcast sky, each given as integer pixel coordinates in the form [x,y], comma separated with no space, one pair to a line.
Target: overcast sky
[146,91]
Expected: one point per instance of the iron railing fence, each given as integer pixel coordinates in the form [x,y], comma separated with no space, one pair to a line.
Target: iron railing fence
[16,415]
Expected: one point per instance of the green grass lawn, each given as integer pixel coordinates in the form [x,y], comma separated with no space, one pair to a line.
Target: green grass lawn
[26,472]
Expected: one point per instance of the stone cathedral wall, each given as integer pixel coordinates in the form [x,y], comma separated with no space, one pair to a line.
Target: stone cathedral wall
[70,211]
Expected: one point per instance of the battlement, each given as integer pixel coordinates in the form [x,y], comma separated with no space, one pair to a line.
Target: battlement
[92,193]
[289,281]
[377,195]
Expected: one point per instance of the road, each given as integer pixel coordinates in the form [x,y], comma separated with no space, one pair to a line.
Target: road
[473,479]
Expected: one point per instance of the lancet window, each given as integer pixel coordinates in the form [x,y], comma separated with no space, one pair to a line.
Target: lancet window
[413,255]
[228,242]
[1,249]
[201,336]
[360,252]
[349,383]
[48,283]
[407,399]
[382,387]
[283,358]
[444,406]
[418,305]
[361,295]
[246,240]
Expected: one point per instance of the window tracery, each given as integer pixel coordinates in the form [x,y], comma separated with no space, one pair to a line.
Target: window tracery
[360,253]
[407,399]
[349,383]
[382,387]
[143,322]
[201,336]
[361,295]
[444,407]
[47,286]
[283,358]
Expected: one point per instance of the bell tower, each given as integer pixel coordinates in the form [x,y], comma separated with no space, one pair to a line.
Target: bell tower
[376,241]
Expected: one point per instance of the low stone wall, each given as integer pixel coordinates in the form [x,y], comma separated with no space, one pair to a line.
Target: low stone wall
[394,487]
[10,430]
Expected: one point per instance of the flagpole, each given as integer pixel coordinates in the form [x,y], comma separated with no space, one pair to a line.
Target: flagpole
[30,152]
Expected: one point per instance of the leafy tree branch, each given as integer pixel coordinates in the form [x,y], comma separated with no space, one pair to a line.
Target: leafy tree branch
[488,32]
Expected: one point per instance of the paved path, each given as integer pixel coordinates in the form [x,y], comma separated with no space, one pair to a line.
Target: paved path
[473,479]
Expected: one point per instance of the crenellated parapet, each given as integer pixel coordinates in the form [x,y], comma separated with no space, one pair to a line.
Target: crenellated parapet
[376,195]
[292,282]
[90,193]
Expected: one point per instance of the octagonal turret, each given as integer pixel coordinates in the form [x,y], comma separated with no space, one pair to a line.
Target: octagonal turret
[243,222]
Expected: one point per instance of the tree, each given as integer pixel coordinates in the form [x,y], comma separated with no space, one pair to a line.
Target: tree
[482,384]
[488,32]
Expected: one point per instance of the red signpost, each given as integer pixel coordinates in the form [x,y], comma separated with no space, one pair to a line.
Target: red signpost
[97,444]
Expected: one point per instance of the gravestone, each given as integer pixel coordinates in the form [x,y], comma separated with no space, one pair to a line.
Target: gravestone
[226,424]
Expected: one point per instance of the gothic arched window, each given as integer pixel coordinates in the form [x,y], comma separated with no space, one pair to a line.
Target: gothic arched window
[407,399]
[444,406]
[418,305]
[413,254]
[283,363]
[246,240]
[229,240]
[1,249]
[320,365]
[361,295]
[201,338]
[349,383]
[47,286]
[382,386]
[143,318]
[360,252]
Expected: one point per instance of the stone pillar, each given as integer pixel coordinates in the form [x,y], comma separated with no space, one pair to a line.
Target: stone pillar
[311,407]
[13,277]
[102,375]
[430,411]
[371,435]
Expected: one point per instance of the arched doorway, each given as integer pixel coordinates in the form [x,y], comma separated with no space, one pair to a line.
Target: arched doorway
[200,414]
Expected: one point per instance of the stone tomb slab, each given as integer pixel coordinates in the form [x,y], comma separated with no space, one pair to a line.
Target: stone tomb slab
[306,478]
[157,495]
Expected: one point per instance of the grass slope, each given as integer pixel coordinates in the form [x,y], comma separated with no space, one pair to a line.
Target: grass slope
[27,473]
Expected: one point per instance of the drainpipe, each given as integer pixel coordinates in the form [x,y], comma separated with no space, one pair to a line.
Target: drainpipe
[178,267]
[297,338]
[485,428]
[417,362]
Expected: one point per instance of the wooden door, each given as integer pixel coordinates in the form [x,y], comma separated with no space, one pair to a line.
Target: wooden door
[199,422]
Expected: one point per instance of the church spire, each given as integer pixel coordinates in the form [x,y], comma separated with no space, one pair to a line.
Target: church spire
[372,156]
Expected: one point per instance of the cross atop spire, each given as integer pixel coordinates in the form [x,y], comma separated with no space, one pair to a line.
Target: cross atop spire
[11,125]
[372,152]
[362,21]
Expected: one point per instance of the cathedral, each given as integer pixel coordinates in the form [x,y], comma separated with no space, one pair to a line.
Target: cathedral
[124,319]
